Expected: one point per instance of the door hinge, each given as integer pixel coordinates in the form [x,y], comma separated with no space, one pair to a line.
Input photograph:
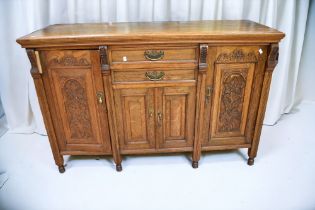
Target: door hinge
[209,91]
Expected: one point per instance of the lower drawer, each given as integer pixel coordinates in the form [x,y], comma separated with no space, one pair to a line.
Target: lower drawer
[153,75]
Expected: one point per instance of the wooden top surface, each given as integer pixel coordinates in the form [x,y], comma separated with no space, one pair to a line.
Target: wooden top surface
[153,32]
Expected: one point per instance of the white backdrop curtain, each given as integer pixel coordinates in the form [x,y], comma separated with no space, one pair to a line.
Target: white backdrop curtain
[19,17]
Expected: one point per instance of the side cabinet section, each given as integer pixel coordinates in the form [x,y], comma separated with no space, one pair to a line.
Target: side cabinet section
[73,82]
[236,79]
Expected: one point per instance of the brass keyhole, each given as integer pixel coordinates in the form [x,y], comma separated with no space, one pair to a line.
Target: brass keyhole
[159,118]
[150,113]
[100,97]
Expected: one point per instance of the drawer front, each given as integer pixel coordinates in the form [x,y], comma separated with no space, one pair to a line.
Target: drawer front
[153,54]
[153,75]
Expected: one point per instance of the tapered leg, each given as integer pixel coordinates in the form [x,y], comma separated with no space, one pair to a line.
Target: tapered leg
[250,161]
[61,169]
[39,85]
[59,162]
[117,159]
[251,156]
[195,164]
[112,119]
[200,111]
[118,167]
[272,60]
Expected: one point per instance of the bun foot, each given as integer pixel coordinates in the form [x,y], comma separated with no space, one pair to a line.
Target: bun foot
[118,167]
[61,169]
[250,161]
[195,164]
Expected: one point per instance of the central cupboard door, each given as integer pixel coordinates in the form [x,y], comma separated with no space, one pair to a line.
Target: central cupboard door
[155,118]
[176,116]
[135,118]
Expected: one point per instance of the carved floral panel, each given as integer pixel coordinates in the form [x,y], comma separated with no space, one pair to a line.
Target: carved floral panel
[76,104]
[232,96]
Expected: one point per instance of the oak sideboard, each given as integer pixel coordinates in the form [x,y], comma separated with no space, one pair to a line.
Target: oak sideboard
[152,87]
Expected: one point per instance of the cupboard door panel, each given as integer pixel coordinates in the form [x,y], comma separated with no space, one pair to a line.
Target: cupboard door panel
[178,109]
[135,118]
[75,80]
[233,84]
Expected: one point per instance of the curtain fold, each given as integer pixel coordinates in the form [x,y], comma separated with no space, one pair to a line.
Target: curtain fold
[20,17]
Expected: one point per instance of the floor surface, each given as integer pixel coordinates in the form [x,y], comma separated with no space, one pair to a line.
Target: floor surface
[283,176]
[3,125]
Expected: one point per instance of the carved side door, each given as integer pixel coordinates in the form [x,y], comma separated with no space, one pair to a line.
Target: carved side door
[73,83]
[135,118]
[233,85]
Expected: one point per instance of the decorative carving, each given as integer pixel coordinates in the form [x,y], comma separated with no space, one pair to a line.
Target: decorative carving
[203,57]
[232,97]
[69,60]
[237,56]
[273,57]
[103,54]
[77,109]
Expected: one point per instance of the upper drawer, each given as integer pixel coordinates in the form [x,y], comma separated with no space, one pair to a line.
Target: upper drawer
[151,55]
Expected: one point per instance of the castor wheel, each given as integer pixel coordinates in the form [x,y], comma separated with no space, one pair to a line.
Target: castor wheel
[118,167]
[61,169]
[250,161]
[195,164]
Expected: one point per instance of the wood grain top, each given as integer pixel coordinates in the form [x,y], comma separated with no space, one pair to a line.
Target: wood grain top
[225,31]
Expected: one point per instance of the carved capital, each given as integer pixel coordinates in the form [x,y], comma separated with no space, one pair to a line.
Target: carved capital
[273,56]
[203,57]
[31,57]
[103,57]
[237,56]
[33,60]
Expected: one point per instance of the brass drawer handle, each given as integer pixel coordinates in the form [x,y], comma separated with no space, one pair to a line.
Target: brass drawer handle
[155,76]
[154,55]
